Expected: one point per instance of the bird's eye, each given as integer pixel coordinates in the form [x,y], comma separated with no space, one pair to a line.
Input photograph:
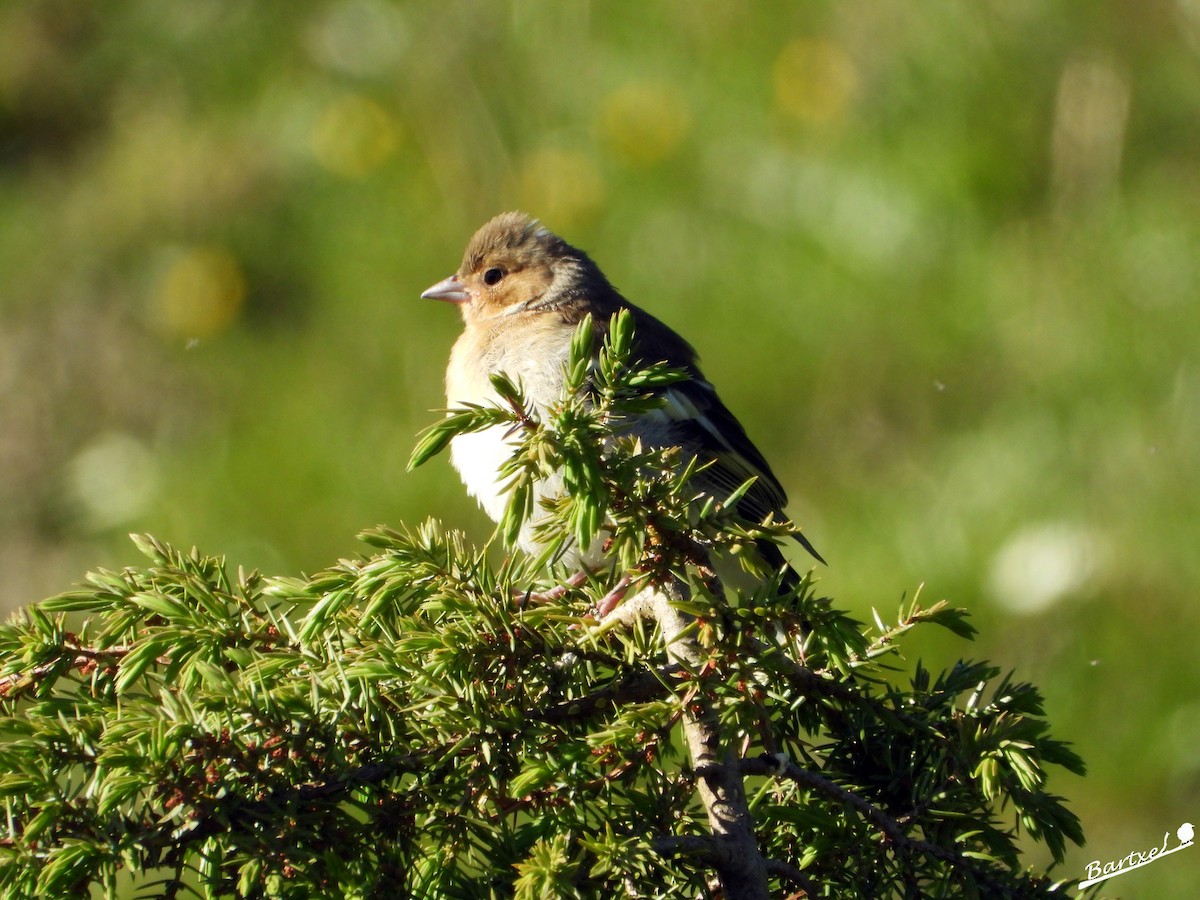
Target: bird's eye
[492,276]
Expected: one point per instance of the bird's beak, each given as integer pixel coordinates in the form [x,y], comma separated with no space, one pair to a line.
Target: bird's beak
[448,289]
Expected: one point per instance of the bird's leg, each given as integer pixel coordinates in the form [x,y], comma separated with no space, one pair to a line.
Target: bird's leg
[604,605]
[555,593]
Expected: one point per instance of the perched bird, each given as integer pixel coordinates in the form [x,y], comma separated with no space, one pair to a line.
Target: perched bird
[522,291]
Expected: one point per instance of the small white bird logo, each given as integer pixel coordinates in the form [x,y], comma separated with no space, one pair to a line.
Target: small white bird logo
[1186,833]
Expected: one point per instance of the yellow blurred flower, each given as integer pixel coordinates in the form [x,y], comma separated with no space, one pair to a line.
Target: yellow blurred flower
[815,80]
[559,186]
[644,123]
[200,293]
[355,136]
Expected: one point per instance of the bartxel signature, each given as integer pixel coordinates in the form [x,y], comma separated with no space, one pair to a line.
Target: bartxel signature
[1098,871]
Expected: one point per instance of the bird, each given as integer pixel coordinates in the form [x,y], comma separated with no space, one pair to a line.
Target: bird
[522,291]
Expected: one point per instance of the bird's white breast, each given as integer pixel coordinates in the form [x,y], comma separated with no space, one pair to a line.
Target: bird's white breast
[478,457]
[533,357]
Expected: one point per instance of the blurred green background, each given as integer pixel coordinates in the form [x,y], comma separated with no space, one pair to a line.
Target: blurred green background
[940,258]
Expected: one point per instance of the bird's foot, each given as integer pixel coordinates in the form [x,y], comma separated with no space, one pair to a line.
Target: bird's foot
[524,598]
[603,607]
[609,601]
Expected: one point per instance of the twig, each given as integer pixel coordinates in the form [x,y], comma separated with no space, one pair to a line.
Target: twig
[788,872]
[639,687]
[735,852]
[84,657]
[770,766]
[889,827]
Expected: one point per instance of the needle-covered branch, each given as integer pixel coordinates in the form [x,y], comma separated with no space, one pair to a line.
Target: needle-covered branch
[413,722]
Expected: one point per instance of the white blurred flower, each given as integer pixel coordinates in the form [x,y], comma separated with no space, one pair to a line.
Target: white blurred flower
[112,480]
[1042,564]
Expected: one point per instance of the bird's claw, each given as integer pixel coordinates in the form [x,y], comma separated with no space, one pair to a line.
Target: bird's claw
[610,601]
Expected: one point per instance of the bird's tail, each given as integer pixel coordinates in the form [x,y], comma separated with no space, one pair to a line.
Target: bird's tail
[804,542]
[774,556]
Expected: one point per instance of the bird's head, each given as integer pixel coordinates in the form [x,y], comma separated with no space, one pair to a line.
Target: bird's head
[514,263]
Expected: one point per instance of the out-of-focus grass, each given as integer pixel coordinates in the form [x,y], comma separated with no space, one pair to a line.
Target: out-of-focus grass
[941,261]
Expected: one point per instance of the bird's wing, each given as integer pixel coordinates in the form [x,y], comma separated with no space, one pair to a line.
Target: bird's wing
[694,419]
